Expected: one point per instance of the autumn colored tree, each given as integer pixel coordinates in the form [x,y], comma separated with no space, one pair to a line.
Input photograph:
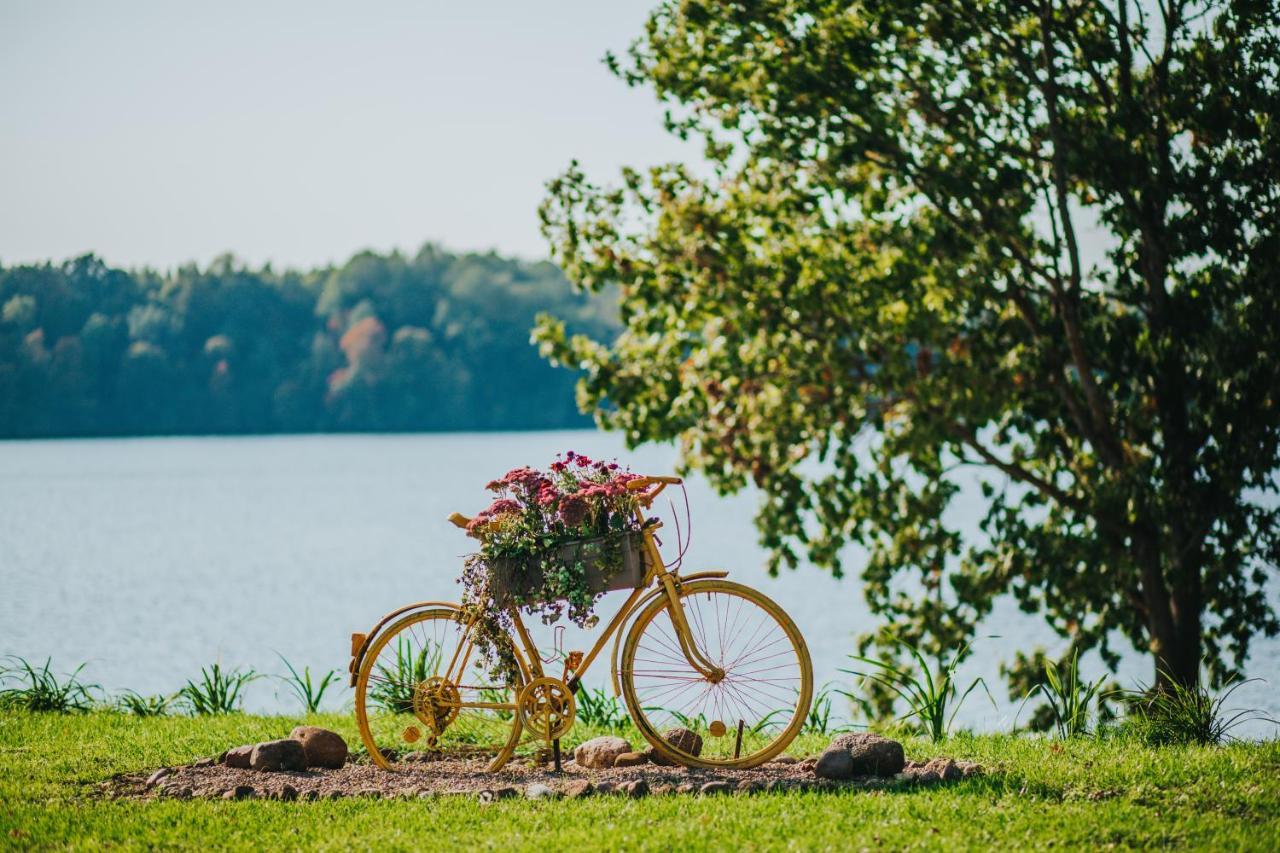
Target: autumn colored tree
[1036,239]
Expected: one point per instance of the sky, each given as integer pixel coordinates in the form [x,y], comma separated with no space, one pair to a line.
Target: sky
[298,133]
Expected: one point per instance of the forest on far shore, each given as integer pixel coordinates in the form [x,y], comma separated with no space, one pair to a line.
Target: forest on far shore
[384,342]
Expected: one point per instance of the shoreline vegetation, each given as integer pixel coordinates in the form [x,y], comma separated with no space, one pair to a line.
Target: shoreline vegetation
[430,342]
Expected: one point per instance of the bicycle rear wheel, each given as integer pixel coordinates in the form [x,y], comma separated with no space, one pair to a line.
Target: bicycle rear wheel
[410,706]
[746,717]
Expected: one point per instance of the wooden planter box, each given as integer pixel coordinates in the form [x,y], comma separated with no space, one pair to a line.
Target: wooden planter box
[519,578]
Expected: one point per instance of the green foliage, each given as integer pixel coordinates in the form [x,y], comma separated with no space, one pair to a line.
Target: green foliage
[819,720]
[928,694]
[132,702]
[883,282]
[1069,698]
[27,688]
[601,709]
[310,693]
[393,686]
[1171,713]
[383,342]
[217,691]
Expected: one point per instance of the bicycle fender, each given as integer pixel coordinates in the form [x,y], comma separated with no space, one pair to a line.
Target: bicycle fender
[360,642]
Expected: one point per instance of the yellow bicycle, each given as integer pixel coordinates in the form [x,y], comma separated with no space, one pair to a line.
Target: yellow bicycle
[699,653]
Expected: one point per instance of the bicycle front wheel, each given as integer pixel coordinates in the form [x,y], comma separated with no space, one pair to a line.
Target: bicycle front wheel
[741,719]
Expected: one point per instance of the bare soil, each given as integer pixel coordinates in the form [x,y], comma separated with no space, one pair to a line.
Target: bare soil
[458,776]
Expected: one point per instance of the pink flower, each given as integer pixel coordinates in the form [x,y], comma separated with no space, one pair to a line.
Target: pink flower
[501,506]
[547,494]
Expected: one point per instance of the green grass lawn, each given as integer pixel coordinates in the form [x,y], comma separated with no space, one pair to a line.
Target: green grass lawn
[1037,793]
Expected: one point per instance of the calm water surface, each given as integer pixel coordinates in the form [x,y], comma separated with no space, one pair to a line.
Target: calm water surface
[149,558]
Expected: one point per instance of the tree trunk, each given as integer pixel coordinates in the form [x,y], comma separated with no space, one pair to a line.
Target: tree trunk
[1173,617]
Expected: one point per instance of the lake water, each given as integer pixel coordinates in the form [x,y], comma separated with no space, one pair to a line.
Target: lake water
[149,558]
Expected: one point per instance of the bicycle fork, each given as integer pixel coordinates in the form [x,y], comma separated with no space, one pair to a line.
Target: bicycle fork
[684,636]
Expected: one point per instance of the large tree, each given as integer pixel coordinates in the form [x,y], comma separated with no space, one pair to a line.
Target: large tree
[1039,240]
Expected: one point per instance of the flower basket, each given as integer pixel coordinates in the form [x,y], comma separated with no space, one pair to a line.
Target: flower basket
[608,563]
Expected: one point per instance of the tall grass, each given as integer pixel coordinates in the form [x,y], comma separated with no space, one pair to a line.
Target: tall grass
[132,702]
[600,708]
[819,720]
[393,689]
[1177,714]
[309,692]
[928,694]
[40,689]
[217,691]
[1069,698]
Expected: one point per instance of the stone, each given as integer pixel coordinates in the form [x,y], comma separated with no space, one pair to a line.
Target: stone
[946,769]
[969,768]
[322,747]
[808,764]
[834,764]
[334,795]
[749,786]
[239,756]
[785,759]
[538,791]
[599,753]
[311,796]
[495,794]
[686,788]
[717,787]
[680,738]
[605,788]
[185,793]
[660,789]
[239,792]
[275,755]
[635,789]
[206,762]
[631,759]
[154,778]
[577,789]
[859,754]
[288,793]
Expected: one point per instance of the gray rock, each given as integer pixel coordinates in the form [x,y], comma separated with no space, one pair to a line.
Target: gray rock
[538,791]
[239,792]
[599,753]
[686,788]
[717,787]
[495,794]
[635,789]
[288,793]
[322,747]
[680,738]
[785,759]
[749,786]
[868,755]
[605,788]
[275,755]
[238,756]
[154,778]
[206,762]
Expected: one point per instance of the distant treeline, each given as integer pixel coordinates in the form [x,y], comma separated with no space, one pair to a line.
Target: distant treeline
[385,342]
